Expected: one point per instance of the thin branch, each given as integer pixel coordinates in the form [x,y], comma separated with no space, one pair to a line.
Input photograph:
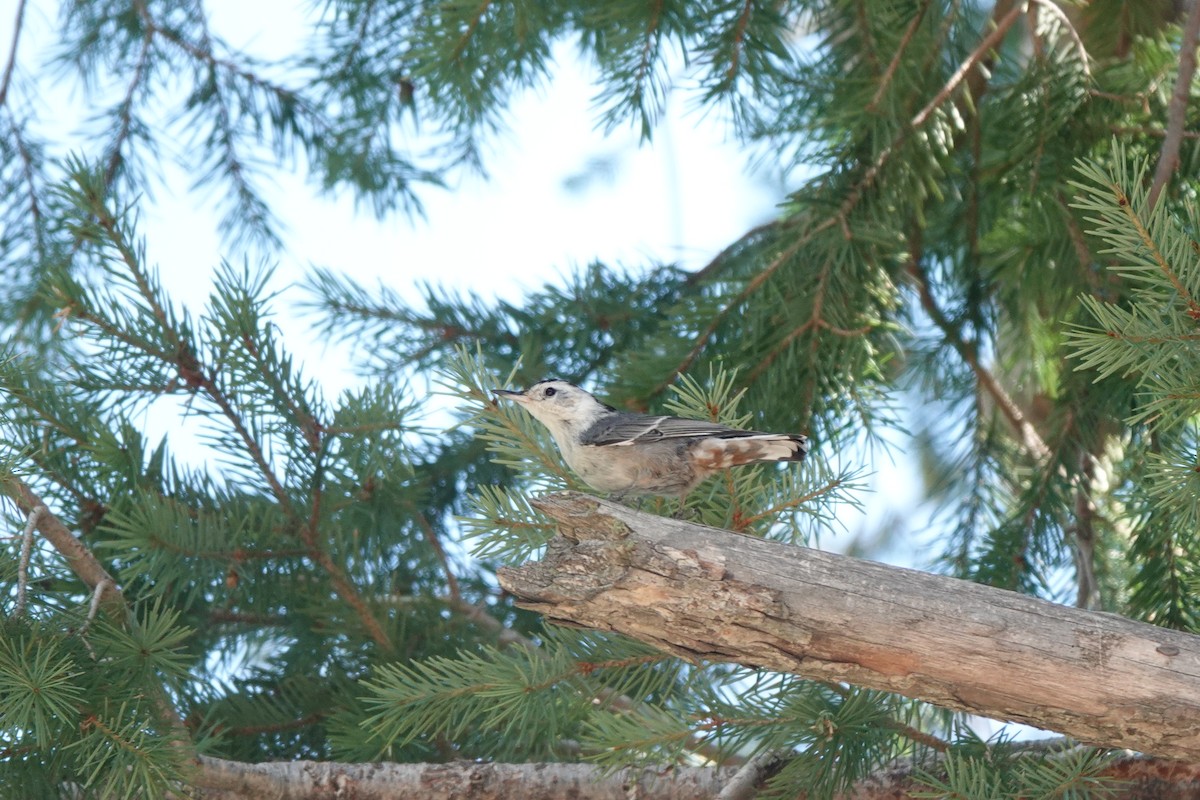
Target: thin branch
[125,112]
[6,80]
[1029,436]
[23,562]
[751,287]
[1081,49]
[869,49]
[439,552]
[461,45]
[77,555]
[1088,591]
[29,173]
[905,40]
[739,37]
[94,604]
[719,261]
[346,589]
[1168,159]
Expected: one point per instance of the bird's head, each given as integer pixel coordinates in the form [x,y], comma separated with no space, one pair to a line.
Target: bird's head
[559,405]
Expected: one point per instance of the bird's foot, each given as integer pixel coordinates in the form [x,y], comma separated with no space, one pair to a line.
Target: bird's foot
[620,497]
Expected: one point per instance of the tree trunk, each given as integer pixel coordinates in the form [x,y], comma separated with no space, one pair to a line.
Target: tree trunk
[705,593]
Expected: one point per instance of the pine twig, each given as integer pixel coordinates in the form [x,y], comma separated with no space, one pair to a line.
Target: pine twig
[905,40]
[435,543]
[78,557]
[1168,159]
[10,66]
[1055,11]
[93,610]
[125,115]
[1088,591]
[1029,436]
[23,562]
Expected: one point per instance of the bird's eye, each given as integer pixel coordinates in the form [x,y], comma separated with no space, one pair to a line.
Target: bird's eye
[550,392]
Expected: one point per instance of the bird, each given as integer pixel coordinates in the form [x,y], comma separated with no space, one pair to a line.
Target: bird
[644,454]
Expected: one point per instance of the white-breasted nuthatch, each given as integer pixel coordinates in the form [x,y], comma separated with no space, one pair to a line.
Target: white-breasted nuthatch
[626,453]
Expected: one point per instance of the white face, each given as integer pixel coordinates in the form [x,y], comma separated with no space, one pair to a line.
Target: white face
[558,401]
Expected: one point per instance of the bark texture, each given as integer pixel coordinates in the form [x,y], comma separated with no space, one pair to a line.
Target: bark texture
[463,780]
[704,593]
[217,779]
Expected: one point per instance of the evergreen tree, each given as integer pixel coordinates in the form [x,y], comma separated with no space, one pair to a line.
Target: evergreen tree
[997,253]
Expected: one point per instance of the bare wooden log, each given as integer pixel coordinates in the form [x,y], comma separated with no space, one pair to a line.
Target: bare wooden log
[704,593]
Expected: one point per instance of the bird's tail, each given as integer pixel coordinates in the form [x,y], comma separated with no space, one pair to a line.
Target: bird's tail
[720,453]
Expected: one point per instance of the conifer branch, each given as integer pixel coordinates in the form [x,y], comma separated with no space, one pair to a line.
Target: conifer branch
[751,287]
[28,174]
[1030,439]
[793,502]
[1140,226]
[465,39]
[870,49]
[901,49]
[1054,10]
[1168,159]
[10,65]
[204,53]
[851,201]
[105,593]
[77,555]
[345,588]
[125,110]
[967,68]
[723,258]
[435,544]
[739,36]
[23,559]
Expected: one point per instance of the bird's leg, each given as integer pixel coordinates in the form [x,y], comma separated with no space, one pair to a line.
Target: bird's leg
[619,497]
[683,512]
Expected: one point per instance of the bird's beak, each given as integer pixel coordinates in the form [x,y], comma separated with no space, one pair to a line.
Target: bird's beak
[509,394]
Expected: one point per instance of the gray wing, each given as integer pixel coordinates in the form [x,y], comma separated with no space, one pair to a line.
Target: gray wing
[626,429]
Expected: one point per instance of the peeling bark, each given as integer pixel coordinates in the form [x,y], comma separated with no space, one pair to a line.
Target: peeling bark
[704,593]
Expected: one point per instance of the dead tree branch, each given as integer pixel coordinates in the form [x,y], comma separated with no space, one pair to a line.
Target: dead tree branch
[709,594]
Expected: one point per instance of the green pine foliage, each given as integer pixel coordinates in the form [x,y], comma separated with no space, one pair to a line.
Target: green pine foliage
[968,252]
